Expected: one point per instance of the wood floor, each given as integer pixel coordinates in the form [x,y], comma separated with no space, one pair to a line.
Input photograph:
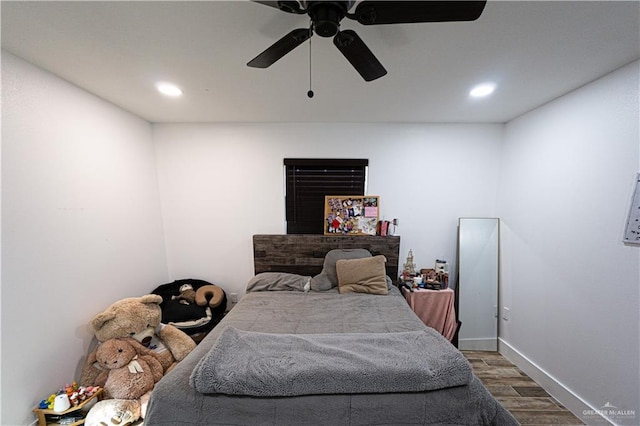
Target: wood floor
[524,398]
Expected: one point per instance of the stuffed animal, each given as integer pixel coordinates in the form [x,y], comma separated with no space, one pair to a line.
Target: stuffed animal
[187,294]
[131,370]
[139,318]
[113,412]
[211,295]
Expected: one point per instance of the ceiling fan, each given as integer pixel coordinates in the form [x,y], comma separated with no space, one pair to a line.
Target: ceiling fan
[325,21]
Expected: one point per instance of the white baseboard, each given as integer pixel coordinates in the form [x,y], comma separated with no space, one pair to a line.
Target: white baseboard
[477,344]
[565,396]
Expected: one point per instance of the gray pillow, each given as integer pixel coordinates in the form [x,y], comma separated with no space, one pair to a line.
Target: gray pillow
[389,283]
[328,278]
[278,281]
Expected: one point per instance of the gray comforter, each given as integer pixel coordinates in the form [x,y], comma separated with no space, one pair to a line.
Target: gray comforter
[175,402]
[267,364]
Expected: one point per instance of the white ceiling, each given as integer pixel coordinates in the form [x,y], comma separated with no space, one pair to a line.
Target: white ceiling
[535,51]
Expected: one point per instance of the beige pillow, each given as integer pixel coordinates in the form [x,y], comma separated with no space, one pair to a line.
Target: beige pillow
[367,275]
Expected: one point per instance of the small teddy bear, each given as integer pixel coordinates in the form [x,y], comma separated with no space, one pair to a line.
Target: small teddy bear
[131,370]
[187,294]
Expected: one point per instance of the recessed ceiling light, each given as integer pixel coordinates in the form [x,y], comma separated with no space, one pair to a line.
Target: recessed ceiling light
[169,89]
[482,90]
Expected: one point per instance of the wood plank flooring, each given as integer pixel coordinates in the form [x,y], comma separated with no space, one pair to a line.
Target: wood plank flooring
[524,398]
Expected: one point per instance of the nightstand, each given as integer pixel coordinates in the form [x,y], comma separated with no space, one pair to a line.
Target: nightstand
[435,308]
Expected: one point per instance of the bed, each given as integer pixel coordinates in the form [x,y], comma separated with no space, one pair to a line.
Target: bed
[290,354]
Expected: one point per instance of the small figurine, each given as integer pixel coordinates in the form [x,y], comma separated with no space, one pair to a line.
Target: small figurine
[442,271]
[409,266]
[431,279]
[442,267]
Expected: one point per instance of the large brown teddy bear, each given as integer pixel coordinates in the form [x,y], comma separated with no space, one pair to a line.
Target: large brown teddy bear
[131,370]
[139,318]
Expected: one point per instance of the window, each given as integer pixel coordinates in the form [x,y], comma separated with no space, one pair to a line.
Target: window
[308,180]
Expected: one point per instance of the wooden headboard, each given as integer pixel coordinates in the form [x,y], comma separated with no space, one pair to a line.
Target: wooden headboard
[304,254]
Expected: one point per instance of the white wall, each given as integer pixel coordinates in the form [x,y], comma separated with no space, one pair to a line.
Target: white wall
[572,285]
[81,227]
[222,183]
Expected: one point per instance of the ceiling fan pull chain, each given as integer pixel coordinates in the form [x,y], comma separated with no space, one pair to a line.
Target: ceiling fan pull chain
[310,92]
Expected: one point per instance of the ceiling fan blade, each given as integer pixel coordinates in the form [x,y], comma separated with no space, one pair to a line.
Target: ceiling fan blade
[280,48]
[405,12]
[356,52]
[291,6]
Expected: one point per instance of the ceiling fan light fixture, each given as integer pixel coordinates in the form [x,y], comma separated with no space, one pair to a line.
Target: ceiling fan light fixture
[169,89]
[326,17]
[482,90]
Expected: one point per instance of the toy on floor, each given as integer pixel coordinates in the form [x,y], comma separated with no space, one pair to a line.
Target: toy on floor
[113,412]
[210,295]
[187,295]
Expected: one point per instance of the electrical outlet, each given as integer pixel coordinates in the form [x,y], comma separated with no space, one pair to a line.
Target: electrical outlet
[233,297]
[506,313]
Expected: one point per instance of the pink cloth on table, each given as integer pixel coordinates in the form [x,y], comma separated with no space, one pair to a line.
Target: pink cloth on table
[435,309]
